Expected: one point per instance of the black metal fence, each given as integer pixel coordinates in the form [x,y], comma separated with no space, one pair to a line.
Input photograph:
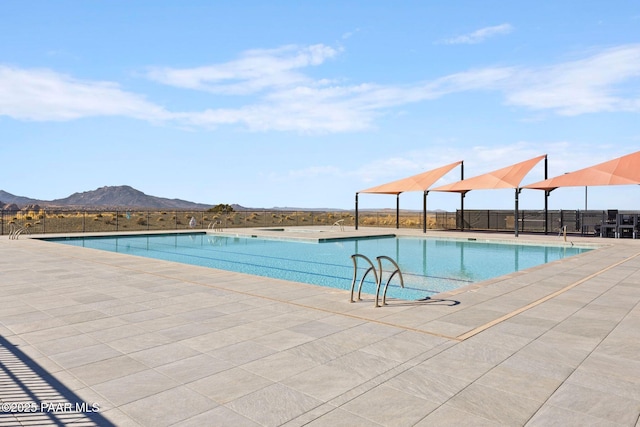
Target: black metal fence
[49,221]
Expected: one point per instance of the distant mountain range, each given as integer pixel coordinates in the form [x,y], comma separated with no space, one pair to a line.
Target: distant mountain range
[122,196]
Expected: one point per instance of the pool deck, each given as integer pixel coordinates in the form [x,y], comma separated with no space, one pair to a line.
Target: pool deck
[156,343]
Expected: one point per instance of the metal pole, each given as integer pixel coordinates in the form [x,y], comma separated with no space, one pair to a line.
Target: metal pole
[546,199]
[585,198]
[424,212]
[398,210]
[356,211]
[515,213]
[462,197]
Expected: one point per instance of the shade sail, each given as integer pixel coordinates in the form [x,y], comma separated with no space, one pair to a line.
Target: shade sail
[420,182]
[624,170]
[509,177]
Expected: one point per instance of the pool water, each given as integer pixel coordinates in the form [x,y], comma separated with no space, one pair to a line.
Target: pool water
[429,265]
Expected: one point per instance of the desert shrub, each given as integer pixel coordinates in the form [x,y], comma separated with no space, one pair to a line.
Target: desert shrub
[60,216]
[99,215]
[160,219]
[141,221]
[28,218]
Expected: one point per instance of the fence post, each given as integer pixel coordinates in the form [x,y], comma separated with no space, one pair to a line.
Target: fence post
[44,221]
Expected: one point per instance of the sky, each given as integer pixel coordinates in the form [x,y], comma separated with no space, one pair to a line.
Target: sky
[304,103]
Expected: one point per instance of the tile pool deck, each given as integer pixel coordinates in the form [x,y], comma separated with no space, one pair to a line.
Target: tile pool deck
[157,343]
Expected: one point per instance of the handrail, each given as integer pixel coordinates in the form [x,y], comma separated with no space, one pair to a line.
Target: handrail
[216,225]
[15,231]
[339,223]
[377,276]
[354,258]
[397,270]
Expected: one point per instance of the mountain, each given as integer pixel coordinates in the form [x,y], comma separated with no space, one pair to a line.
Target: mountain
[8,198]
[107,197]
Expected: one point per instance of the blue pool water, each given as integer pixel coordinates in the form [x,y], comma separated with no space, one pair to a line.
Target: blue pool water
[429,266]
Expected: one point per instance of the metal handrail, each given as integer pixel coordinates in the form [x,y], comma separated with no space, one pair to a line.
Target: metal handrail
[15,231]
[377,276]
[339,223]
[396,271]
[215,225]
[354,258]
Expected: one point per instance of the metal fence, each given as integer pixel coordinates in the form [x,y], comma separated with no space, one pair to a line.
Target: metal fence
[49,221]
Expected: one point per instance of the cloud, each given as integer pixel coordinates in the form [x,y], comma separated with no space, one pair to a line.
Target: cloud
[480,35]
[254,71]
[582,86]
[275,94]
[44,95]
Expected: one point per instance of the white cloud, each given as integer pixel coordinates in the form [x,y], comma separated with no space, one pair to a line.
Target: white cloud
[283,98]
[583,86]
[254,71]
[45,95]
[480,35]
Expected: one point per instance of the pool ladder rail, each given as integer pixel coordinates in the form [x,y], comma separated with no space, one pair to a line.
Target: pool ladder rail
[215,226]
[377,275]
[15,231]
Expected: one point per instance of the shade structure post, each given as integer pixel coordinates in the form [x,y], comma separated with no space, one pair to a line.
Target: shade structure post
[546,198]
[515,213]
[424,212]
[356,211]
[462,198]
[398,210]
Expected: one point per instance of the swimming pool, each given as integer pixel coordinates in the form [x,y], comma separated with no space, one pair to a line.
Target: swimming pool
[429,265]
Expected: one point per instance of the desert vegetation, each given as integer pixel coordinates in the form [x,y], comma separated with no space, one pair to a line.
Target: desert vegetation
[80,221]
[46,221]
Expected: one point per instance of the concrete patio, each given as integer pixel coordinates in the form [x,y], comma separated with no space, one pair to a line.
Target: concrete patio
[138,341]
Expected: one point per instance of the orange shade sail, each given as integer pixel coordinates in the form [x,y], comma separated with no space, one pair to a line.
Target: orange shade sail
[624,170]
[420,182]
[509,177]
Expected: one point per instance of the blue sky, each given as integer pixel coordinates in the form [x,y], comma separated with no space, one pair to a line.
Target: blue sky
[304,103]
